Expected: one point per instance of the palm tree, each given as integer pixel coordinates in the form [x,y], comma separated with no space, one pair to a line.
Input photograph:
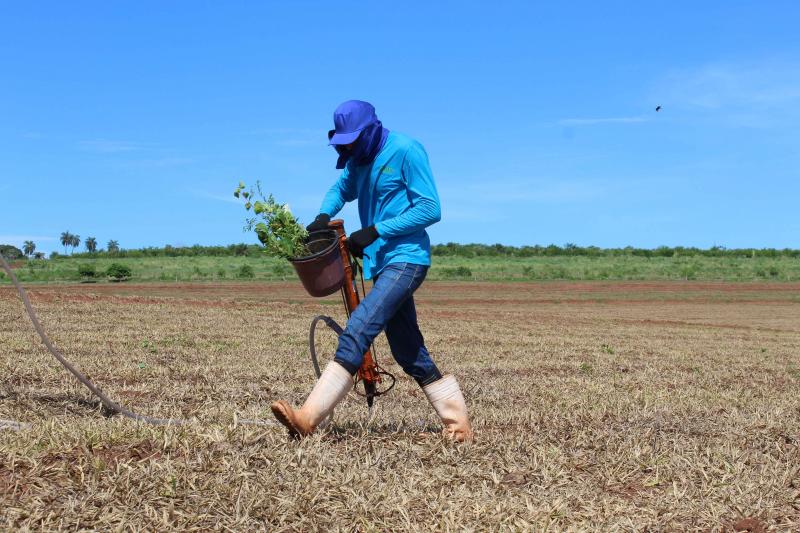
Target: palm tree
[112,246]
[28,248]
[91,244]
[75,242]
[66,240]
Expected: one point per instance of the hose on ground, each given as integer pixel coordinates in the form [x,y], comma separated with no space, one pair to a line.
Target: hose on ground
[110,405]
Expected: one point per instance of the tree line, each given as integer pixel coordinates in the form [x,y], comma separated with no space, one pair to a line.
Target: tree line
[483,250]
[68,240]
[230,250]
[451,249]
[500,250]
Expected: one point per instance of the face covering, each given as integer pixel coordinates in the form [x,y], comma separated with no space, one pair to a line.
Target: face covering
[357,116]
[369,143]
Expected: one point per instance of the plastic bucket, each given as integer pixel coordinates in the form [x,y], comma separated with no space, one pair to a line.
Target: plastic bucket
[322,272]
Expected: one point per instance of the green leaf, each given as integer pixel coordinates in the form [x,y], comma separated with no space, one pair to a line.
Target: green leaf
[276,228]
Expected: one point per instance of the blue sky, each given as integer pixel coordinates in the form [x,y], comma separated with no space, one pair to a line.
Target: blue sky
[135,121]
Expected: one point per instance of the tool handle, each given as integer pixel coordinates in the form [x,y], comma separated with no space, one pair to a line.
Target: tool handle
[368,370]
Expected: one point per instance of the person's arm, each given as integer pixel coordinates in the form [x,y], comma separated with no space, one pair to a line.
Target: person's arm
[343,191]
[425,209]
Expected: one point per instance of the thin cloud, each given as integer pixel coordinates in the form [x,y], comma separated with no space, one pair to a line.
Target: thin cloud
[304,132]
[292,137]
[603,120]
[231,199]
[298,142]
[167,162]
[19,240]
[536,191]
[107,146]
[460,214]
[725,85]
[515,192]
[753,94]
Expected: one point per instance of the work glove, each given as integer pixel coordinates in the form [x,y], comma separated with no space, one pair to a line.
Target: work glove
[360,239]
[320,223]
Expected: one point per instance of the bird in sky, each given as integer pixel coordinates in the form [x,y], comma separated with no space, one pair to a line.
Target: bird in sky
[658,108]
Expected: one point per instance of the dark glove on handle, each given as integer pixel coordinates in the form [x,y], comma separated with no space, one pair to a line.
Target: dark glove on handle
[320,223]
[360,239]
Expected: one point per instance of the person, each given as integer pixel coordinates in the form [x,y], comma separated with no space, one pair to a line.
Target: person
[389,174]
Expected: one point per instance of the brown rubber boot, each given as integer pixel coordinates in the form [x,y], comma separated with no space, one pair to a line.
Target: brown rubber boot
[446,398]
[331,388]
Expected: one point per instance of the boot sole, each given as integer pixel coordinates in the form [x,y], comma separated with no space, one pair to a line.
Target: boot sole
[279,410]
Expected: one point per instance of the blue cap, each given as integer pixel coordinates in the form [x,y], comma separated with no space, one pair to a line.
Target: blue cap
[349,119]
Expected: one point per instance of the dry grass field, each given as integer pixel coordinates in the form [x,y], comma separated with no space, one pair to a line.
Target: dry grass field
[597,407]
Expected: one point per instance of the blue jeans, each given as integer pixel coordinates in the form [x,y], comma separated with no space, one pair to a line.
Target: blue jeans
[390,306]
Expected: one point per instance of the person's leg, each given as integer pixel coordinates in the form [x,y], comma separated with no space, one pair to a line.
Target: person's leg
[408,349]
[331,388]
[408,345]
[391,289]
[448,402]
[395,284]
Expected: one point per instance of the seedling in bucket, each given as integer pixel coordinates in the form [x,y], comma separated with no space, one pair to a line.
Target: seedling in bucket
[275,225]
[315,257]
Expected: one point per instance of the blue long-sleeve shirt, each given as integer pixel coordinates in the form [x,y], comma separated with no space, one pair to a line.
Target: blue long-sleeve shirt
[396,194]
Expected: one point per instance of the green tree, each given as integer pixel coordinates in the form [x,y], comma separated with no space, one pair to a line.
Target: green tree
[75,242]
[87,272]
[112,246]
[28,248]
[118,272]
[91,244]
[10,252]
[66,240]
[245,272]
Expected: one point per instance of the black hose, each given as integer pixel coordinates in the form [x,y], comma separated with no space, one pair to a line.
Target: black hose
[115,408]
[108,403]
[331,323]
